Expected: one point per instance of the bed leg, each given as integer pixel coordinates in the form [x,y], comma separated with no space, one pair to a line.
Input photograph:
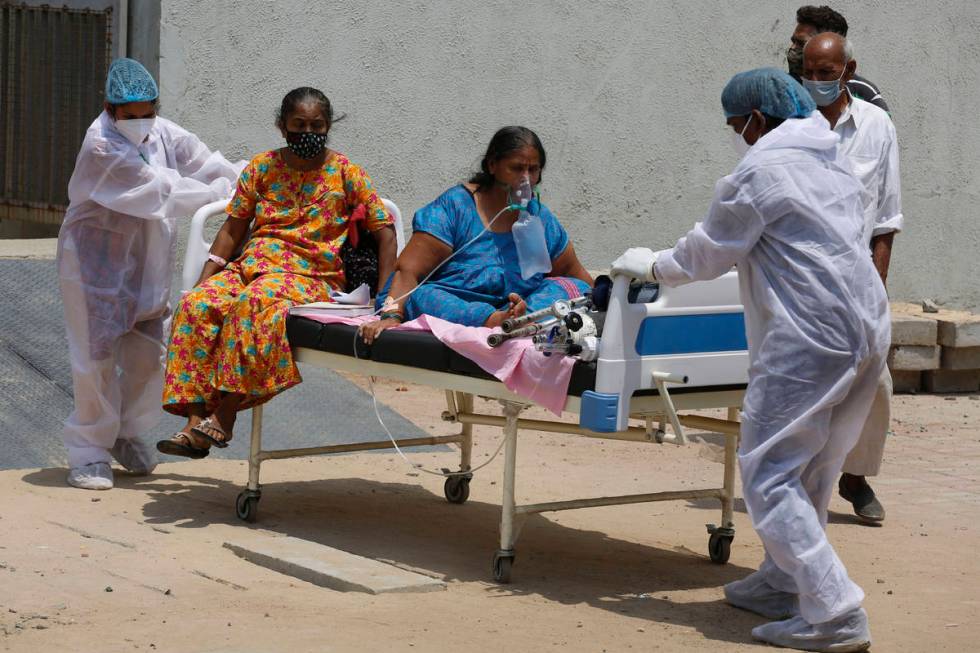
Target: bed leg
[720,537]
[466,446]
[733,413]
[247,503]
[504,557]
[728,502]
[256,447]
[731,466]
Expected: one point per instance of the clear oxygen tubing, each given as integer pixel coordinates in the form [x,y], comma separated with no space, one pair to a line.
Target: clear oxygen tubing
[374,398]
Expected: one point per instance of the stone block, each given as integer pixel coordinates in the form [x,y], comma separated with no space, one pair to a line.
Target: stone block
[961,358]
[328,567]
[960,331]
[952,380]
[906,381]
[912,330]
[913,358]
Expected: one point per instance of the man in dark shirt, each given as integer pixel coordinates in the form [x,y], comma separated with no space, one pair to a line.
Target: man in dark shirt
[812,20]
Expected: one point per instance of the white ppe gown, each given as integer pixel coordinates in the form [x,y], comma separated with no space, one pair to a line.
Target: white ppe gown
[790,216]
[116,255]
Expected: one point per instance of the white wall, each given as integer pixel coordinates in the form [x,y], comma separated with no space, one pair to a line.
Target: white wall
[625,96]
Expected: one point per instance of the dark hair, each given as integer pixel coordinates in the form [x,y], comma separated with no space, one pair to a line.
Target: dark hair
[772,122]
[505,141]
[112,107]
[302,95]
[823,18]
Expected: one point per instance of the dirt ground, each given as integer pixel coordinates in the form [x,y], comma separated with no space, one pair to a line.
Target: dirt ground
[142,567]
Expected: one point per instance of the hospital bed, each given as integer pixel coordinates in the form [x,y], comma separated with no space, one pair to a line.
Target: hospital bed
[681,350]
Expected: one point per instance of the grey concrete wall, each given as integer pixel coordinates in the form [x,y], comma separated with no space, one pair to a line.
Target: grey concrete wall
[625,96]
[143,33]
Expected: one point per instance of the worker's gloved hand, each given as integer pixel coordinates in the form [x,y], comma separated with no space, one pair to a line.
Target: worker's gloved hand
[222,188]
[636,263]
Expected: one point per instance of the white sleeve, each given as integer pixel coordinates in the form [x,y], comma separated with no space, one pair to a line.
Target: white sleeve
[114,176]
[889,217]
[197,161]
[713,246]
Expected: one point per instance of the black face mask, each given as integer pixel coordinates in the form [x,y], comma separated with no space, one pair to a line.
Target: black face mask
[306,145]
[794,59]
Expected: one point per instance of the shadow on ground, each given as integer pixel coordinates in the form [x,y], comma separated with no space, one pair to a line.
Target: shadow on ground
[410,526]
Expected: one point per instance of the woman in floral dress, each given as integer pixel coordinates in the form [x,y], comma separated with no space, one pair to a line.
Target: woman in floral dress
[228,350]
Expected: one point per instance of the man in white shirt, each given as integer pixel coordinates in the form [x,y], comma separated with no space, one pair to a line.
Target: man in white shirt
[869,141]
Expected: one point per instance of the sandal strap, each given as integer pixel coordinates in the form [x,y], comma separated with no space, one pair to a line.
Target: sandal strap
[211,424]
[186,439]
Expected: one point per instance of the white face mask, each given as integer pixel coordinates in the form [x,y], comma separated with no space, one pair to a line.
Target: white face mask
[136,130]
[825,93]
[739,143]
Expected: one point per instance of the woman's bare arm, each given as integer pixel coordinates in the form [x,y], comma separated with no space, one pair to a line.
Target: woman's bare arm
[422,254]
[568,265]
[387,252]
[225,244]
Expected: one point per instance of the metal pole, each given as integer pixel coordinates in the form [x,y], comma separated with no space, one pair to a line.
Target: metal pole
[633,433]
[466,444]
[660,381]
[352,447]
[507,511]
[709,424]
[623,500]
[255,449]
[728,492]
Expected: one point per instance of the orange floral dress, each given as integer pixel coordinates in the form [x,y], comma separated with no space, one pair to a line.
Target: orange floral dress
[229,333]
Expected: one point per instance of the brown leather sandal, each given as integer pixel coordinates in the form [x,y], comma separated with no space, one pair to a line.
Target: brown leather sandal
[181,445]
[211,424]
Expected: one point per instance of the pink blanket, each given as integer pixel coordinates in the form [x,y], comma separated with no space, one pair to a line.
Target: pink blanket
[523,370]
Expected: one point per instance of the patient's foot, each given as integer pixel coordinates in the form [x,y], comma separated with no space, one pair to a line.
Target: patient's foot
[517,308]
[186,443]
[496,319]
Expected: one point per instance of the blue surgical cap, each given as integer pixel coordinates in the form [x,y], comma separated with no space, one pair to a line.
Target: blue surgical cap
[129,81]
[770,90]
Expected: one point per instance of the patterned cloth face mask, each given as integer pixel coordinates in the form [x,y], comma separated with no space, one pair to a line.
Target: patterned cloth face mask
[306,145]
[794,59]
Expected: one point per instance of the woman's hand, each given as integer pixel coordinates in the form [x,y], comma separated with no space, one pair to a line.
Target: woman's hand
[210,269]
[370,331]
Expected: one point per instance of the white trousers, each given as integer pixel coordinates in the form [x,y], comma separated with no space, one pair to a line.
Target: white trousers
[116,396]
[865,457]
[789,471]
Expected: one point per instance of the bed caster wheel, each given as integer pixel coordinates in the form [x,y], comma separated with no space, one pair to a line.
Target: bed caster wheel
[457,488]
[720,547]
[502,562]
[247,505]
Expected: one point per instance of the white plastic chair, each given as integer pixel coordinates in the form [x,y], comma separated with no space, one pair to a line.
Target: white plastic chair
[198,248]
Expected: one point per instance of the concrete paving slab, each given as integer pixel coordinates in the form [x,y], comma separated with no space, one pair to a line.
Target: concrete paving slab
[952,380]
[906,380]
[961,358]
[30,248]
[960,331]
[913,330]
[956,328]
[328,567]
[913,358]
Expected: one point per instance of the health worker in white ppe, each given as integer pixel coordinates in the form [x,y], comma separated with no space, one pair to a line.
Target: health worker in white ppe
[135,173]
[791,217]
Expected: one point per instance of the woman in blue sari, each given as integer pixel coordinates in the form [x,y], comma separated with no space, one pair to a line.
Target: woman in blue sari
[483,285]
